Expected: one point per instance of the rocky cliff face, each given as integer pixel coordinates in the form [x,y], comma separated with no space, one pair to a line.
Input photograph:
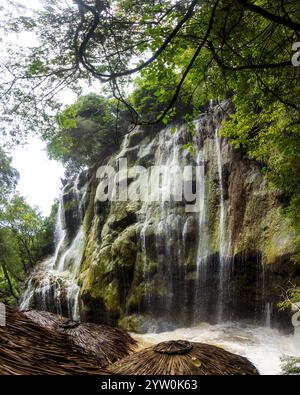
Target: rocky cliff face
[145,260]
[149,264]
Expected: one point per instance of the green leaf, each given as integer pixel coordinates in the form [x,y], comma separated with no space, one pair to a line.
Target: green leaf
[196,362]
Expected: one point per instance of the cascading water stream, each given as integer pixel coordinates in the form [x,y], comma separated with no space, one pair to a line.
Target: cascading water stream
[60,231]
[146,270]
[203,249]
[202,242]
[210,295]
[159,217]
[223,245]
[27,295]
[168,226]
[57,275]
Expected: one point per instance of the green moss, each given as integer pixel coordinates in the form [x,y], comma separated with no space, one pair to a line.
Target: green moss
[191,276]
[156,287]
[279,237]
[213,229]
[130,323]
[264,227]
[94,275]
[122,214]
[69,205]
[136,297]
[124,249]
[89,214]
[111,297]
[144,269]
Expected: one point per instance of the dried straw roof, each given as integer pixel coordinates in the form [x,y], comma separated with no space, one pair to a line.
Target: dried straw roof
[184,358]
[28,349]
[104,342]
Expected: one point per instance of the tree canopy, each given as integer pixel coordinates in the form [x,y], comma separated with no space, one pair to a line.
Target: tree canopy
[87,130]
[25,236]
[199,49]
[8,176]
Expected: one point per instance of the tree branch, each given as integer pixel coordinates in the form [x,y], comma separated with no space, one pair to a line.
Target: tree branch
[269,16]
[124,73]
[189,67]
[246,66]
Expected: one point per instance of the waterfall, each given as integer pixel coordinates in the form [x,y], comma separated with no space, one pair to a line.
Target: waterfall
[222,247]
[203,248]
[161,218]
[203,280]
[223,243]
[202,236]
[54,282]
[146,269]
[184,267]
[171,227]
[60,231]
[27,294]
[268,313]
[72,256]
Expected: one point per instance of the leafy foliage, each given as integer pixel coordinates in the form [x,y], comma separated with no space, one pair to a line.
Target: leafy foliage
[25,236]
[150,98]
[88,129]
[8,176]
[290,299]
[290,366]
[272,137]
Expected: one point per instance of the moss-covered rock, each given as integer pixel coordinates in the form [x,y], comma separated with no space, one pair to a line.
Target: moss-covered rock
[124,249]
[72,219]
[131,323]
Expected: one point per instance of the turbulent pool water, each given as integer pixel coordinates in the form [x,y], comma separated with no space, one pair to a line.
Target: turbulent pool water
[265,347]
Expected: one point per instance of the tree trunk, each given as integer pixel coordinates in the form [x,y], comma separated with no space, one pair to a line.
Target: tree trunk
[6,275]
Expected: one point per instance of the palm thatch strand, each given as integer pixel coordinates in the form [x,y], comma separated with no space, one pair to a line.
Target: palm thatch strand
[184,358]
[106,343]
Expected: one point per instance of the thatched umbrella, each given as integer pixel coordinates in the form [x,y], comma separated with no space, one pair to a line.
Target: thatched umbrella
[44,318]
[106,343]
[184,358]
[28,349]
